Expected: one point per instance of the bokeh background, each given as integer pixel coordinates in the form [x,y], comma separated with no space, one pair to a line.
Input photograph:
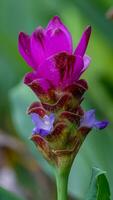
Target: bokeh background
[22,168]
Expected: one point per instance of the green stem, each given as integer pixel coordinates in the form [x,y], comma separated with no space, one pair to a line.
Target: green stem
[62,186]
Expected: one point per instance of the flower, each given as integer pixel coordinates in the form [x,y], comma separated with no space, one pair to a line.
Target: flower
[88,120]
[61,125]
[50,53]
[43,126]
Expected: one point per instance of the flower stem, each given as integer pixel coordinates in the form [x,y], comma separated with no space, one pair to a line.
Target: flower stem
[62,185]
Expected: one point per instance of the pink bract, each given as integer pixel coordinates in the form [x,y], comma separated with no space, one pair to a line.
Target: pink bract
[49,51]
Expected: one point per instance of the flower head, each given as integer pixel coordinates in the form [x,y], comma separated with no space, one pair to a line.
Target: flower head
[49,51]
[61,124]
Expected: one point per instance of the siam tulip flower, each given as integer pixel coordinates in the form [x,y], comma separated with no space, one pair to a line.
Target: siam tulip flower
[61,125]
[49,51]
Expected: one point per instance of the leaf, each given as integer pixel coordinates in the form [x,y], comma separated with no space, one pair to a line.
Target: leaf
[21,97]
[99,186]
[7,195]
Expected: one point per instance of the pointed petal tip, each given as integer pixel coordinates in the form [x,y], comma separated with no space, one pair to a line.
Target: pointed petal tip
[56,18]
[87,32]
[55,21]
[83,43]
[20,39]
[106,123]
[102,124]
[25,49]
[20,33]
[88,29]
[21,36]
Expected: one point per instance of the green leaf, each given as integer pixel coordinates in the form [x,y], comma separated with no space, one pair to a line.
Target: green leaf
[21,97]
[7,195]
[99,186]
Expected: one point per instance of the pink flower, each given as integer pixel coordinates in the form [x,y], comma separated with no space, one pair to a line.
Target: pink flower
[60,123]
[50,53]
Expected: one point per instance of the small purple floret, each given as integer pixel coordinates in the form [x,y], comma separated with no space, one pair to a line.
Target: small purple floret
[43,126]
[89,120]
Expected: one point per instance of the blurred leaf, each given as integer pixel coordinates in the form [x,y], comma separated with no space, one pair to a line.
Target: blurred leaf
[99,187]
[21,97]
[6,195]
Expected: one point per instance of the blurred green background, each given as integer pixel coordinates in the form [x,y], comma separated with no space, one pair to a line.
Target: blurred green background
[22,168]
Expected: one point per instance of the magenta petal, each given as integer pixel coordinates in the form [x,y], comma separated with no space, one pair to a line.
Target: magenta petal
[49,72]
[64,63]
[78,66]
[38,85]
[44,84]
[87,61]
[46,77]
[81,48]
[37,43]
[69,67]
[58,37]
[24,48]
[29,77]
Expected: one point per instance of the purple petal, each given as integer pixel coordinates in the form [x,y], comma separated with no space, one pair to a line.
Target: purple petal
[25,50]
[49,72]
[41,132]
[69,67]
[37,121]
[73,70]
[101,124]
[87,61]
[89,120]
[58,37]
[81,48]
[52,117]
[44,84]
[44,43]
[78,67]
[65,65]
[43,126]
[29,77]
[38,42]
[44,133]
[36,83]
